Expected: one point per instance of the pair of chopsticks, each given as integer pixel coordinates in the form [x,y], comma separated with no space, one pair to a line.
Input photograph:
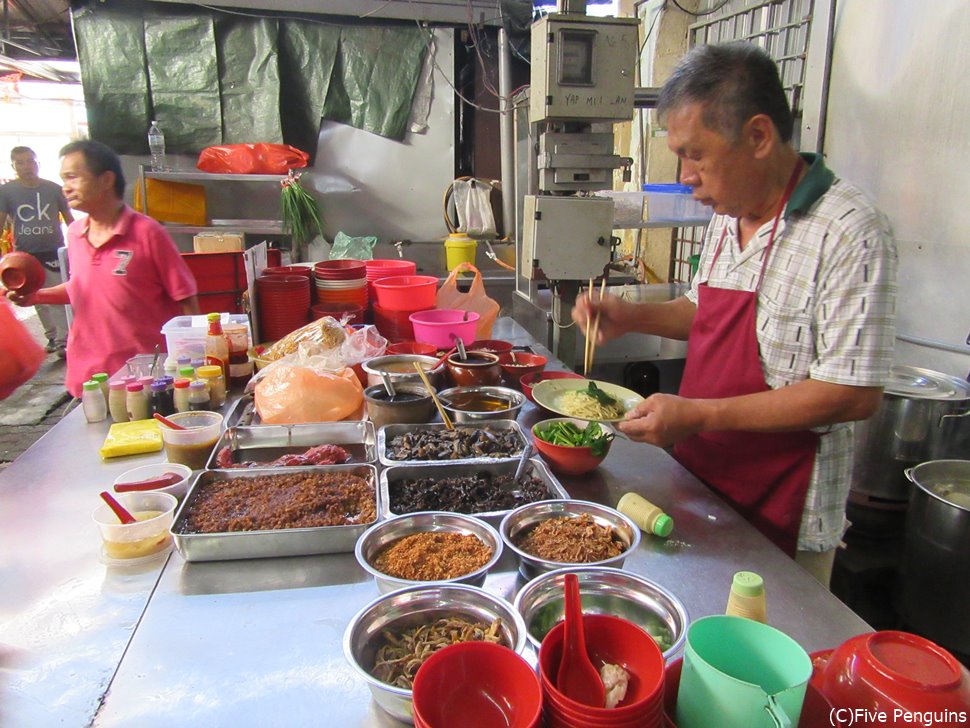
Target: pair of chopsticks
[434,397]
[592,332]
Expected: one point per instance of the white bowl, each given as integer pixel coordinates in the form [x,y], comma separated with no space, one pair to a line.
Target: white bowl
[156,470]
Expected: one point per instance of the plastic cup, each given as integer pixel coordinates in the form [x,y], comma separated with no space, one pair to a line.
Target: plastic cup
[746,673]
[191,447]
[145,537]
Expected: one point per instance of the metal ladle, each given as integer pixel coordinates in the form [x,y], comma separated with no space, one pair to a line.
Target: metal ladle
[388,384]
[462,354]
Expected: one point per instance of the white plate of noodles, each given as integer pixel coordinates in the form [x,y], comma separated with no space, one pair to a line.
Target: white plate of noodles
[573,398]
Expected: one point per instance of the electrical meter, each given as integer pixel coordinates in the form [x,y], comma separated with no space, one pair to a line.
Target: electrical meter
[585,68]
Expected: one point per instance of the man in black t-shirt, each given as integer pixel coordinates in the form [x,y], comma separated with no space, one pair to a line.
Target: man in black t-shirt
[36,207]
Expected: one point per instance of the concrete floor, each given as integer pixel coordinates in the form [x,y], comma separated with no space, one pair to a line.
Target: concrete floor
[38,405]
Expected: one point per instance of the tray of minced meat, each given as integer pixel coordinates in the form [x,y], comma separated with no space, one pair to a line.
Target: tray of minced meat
[483,490]
[274,446]
[285,511]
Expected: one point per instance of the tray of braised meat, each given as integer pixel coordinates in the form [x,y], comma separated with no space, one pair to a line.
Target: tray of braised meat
[251,513]
[484,490]
[277,446]
[484,443]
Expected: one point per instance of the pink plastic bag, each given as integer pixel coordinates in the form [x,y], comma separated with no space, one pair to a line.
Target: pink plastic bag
[20,355]
[252,159]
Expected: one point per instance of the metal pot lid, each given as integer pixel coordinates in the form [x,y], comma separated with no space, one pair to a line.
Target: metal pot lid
[926,384]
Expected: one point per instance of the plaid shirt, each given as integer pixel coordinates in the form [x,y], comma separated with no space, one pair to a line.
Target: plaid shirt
[825,311]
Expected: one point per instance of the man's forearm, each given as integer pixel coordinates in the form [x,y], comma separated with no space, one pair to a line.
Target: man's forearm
[55,295]
[190,306]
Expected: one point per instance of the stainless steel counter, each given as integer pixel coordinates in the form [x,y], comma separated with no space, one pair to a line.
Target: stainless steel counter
[259,642]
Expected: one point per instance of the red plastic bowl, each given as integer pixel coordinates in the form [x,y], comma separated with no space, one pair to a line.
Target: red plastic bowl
[476,685]
[412,347]
[567,460]
[892,670]
[616,641]
[516,365]
[21,272]
[528,381]
[493,346]
[406,293]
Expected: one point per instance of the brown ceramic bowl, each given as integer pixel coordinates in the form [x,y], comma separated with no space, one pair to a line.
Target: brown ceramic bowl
[21,272]
[481,368]
[411,405]
[493,346]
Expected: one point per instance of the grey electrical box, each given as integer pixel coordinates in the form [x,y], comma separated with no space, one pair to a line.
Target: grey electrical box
[582,68]
[568,238]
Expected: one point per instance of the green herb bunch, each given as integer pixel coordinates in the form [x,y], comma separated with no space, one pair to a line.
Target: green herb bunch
[299,212]
[569,435]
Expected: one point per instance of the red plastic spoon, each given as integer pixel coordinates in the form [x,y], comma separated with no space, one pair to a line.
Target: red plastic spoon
[123,515]
[578,678]
[167,422]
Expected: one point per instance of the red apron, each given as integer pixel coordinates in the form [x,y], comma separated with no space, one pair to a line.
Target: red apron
[763,475]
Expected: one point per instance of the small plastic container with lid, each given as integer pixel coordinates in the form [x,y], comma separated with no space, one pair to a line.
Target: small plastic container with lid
[196,363]
[180,395]
[650,518]
[187,371]
[212,376]
[102,379]
[199,396]
[92,401]
[747,597]
[117,396]
[136,402]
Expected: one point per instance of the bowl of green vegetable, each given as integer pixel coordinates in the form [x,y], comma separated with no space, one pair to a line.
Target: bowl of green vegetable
[571,446]
[605,591]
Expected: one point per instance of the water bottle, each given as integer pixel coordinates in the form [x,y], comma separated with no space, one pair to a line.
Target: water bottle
[156,145]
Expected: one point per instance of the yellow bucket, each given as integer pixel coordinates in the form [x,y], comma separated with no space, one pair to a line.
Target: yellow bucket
[459,248]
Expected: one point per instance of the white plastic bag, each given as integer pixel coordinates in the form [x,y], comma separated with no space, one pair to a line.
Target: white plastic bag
[473,207]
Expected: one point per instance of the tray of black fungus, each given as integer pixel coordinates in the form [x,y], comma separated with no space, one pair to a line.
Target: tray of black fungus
[416,444]
[484,490]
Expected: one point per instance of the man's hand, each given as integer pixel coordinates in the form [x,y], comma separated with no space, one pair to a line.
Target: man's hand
[615,316]
[662,420]
[18,298]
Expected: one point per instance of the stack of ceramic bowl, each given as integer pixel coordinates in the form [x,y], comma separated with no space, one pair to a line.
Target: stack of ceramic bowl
[341,281]
[397,298]
[283,304]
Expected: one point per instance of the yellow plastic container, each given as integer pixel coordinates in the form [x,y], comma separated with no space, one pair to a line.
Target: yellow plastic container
[459,248]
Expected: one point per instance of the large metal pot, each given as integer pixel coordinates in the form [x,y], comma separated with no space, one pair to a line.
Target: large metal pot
[934,585]
[923,416]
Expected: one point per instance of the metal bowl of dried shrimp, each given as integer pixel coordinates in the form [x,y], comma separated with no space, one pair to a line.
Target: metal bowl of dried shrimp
[428,547]
[388,639]
[555,534]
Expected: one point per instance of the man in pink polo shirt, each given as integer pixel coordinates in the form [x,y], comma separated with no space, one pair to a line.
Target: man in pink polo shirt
[127,278]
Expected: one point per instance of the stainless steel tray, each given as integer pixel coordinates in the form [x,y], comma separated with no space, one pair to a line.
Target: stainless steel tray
[268,442]
[260,544]
[389,432]
[536,468]
[242,412]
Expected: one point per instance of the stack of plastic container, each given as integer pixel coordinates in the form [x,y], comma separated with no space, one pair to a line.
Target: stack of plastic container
[282,303]
[397,298]
[341,281]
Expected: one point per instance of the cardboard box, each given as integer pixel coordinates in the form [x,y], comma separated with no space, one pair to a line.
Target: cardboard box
[218,243]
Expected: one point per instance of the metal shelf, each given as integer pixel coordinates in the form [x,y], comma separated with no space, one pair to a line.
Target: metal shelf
[255,227]
[189,175]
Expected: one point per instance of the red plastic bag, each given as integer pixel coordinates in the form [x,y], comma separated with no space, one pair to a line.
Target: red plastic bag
[252,159]
[20,355]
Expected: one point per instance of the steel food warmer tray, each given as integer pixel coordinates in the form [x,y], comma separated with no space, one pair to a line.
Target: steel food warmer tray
[388,432]
[268,442]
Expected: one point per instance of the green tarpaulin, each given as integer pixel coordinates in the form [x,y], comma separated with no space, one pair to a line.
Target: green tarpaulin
[212,78]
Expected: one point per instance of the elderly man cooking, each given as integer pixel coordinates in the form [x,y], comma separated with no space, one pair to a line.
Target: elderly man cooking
[789,320]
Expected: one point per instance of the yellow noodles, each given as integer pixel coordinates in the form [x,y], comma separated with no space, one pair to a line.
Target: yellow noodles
[577,403]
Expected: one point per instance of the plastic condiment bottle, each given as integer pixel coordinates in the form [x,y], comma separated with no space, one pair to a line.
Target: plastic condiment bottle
[212,376]
[161,399]
[747,597]
[187,371]
[650,518]
[181,395]
[102,379]
[136,402]
[198,396]
[92,401]
[117,396]
[240,367]
[216,346]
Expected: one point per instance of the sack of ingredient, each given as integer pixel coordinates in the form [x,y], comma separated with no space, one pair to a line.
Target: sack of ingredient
[313,381]
[450,296]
